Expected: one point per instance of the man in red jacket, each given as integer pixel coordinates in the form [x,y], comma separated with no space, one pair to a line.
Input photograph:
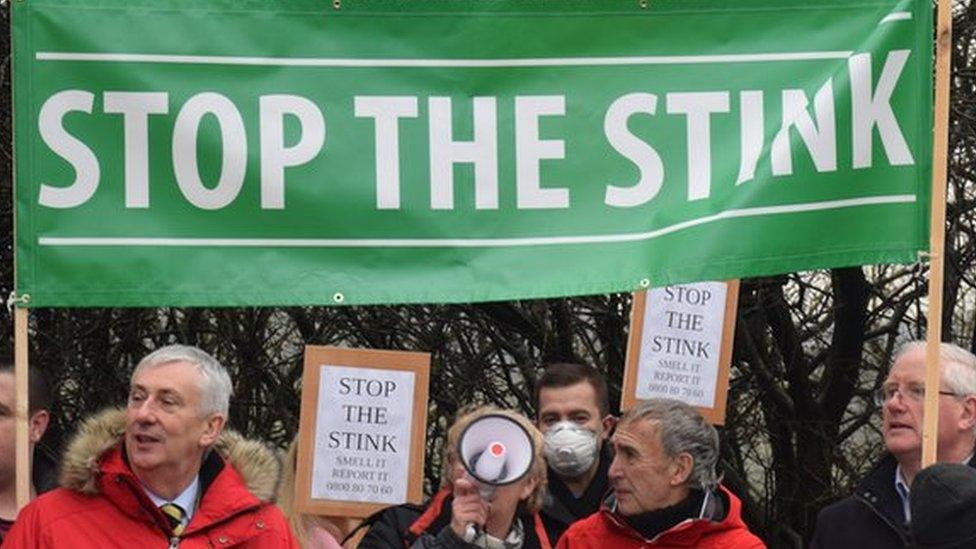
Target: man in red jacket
[665,488]
[163,473]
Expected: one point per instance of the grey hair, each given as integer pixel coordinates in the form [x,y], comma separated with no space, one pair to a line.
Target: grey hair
[215,389]
[683,431]
[958,366]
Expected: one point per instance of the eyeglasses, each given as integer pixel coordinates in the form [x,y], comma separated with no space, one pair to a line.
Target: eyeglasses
[914,392]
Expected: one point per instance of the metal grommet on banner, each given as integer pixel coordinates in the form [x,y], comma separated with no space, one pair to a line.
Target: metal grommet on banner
[338,297]
[15,299]
[644,283]
[337,4]
[643,4]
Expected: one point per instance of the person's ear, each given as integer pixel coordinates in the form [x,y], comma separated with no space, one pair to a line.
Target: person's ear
[528,488]
[214,426]
[38,425]
[681,469]
[609,422]
[967,418]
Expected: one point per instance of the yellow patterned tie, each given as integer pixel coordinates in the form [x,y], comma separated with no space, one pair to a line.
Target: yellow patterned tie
[175,514]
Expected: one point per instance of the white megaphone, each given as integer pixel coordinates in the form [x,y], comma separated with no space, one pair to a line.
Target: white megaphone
[496,450]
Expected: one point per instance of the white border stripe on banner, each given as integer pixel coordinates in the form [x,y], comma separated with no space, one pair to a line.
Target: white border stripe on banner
[433,63]
[467,242]
[897,16]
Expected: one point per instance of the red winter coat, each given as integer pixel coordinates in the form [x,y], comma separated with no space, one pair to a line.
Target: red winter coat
[605,529]
[101,504]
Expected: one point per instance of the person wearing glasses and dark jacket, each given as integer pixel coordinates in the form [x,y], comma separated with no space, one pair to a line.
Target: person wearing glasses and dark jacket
[876,515]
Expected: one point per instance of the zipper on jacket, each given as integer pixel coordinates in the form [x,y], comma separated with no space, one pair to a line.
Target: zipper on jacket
[142,500]
[174,541]
[898,531]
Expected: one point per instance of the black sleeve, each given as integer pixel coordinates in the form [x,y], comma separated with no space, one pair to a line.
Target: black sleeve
[387,528]
[825,532]
[445,539]
[818,541]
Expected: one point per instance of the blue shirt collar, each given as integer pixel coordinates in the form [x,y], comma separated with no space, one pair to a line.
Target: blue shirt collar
[903,490]
[187,500]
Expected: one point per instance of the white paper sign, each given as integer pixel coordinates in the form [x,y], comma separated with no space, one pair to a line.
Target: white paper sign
[680,343]
[362,437]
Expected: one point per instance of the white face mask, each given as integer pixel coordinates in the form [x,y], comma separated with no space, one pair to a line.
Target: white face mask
[570,449]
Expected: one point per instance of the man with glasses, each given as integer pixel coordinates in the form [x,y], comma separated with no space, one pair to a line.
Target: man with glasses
[878,513]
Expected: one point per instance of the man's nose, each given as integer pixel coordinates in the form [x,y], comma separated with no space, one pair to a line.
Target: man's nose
[145,411]
[614,471]
[897,402]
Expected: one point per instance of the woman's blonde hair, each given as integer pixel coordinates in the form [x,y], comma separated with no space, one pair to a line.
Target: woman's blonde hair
[467,415]
[299,522]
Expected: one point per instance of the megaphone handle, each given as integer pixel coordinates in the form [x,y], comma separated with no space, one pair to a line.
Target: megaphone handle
[471,532]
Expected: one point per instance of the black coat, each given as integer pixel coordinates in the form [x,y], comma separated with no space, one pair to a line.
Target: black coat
[44,470]
[871,518]
[388,527]
[409,526]
[561,509]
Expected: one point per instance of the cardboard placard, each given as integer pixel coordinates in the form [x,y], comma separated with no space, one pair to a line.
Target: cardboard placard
[680,346]
[362,430]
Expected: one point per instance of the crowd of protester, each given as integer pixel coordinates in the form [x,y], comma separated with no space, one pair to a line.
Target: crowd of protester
[166,472]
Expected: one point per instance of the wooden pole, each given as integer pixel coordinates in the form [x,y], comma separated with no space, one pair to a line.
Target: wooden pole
[22,441]
[940,159]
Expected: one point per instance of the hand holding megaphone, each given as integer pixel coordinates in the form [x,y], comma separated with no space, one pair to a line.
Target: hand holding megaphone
[468,508]
[495,451]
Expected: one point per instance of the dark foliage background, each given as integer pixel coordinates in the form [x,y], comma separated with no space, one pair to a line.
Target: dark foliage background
[810,348]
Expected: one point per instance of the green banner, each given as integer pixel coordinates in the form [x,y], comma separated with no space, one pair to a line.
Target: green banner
[218,152]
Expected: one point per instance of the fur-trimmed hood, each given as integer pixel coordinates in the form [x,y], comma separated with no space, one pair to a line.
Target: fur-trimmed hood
[257,464]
